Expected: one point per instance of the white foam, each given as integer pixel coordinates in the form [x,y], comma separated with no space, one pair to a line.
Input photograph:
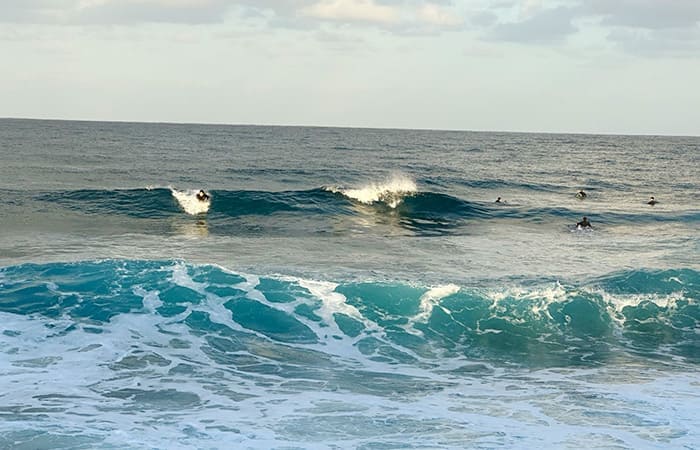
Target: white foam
[332,301]
[151,301]
[616,303]
[214,305]
[189,202]
[430,300]
[82,382]
[392,191]
[332,340]
[538,300]
[182,278]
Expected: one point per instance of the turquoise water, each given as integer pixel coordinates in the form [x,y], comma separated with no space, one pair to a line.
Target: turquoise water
[346,288]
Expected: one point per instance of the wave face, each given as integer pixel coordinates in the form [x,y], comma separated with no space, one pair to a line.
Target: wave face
[647,313]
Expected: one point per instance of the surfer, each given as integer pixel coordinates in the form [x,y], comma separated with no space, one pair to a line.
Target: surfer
[498,200]
[584,223]
[652,201]
[580,194]
[202,196]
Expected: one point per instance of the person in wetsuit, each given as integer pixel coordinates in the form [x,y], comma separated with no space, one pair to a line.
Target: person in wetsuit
[652,201]
[584,223]
[202,196]
[498,200]
[580,194]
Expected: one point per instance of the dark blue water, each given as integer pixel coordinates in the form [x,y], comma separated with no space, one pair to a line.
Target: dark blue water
[346,288]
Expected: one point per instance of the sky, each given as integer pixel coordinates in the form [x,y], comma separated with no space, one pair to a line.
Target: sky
[584,66]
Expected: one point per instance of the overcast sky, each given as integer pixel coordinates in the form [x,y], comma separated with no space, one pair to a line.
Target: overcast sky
[612,66]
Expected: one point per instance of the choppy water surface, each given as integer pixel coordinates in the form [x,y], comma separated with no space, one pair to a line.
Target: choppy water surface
[346,288]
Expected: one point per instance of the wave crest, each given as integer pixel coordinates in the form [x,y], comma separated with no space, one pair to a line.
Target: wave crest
[390,192]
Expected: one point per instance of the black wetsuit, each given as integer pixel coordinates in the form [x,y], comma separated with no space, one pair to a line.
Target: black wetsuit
[202,196]
[584,224]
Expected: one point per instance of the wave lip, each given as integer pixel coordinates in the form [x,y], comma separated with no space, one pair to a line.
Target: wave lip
[390,192]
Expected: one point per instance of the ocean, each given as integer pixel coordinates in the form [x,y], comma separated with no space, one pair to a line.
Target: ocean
[346,288]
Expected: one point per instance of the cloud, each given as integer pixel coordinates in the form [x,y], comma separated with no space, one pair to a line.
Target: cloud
[433,14]
[626,24]
[544,26]
[484,18]
[71,12]
[353,11]
[649,14]
[33,11]
[392,15]
[642,27]
[153,11]
[657,42]
[649,27]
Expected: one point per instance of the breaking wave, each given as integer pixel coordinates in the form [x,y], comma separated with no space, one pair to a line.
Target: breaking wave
[652,314]
[391,192]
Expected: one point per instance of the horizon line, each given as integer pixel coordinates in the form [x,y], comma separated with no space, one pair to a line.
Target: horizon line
[358,127]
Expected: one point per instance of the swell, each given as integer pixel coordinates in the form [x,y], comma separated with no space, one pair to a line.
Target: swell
[417,212]
[639,313]
[524,186]
[159,202]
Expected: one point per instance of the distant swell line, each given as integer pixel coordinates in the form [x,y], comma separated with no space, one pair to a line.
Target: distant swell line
[411,206]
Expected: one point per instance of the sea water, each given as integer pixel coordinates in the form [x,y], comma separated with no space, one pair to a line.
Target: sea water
[346,288]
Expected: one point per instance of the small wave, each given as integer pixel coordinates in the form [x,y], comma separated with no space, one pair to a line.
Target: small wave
[391,192]
[189,202]
[149,202]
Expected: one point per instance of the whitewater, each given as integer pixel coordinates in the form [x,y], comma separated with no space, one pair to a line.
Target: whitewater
[346,288]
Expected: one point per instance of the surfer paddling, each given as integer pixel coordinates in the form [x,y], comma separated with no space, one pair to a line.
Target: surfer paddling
[584,223]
